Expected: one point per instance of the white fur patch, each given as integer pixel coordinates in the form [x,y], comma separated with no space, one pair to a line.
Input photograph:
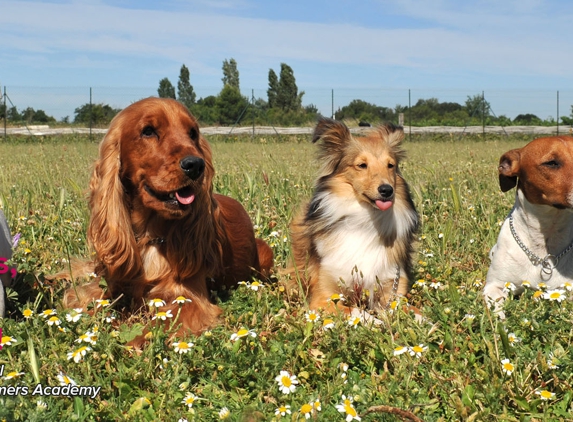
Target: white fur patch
[353,250]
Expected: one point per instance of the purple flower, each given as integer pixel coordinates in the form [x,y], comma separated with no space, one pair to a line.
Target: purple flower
[15,240]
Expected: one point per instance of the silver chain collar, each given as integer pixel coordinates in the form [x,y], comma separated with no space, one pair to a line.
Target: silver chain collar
[394,287]
[549,263]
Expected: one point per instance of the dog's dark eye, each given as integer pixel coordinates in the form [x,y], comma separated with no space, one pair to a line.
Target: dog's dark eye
[390,165]
[552,164]
[363,165]
[148,131]
[194,134]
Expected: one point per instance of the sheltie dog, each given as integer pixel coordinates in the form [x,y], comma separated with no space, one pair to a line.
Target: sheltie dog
[355,237]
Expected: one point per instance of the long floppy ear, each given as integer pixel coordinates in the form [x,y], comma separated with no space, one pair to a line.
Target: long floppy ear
[334,137]
[110,231]
[509,169]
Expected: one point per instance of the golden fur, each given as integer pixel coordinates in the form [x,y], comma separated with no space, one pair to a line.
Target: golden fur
[157,228]
[358,230]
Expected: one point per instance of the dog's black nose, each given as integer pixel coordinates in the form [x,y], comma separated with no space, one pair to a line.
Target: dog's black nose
[385,190]
[192,166]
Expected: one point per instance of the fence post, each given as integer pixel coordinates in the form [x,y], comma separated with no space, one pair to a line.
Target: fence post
[410,115]
[91,114]
[557,113]
[483,113]
[5,113]
[332,102]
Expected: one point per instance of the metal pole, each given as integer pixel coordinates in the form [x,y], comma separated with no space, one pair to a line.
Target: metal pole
[91,114]
[332,101]
[557,113]
[253,104]
[483,113]
[410,115]
[5,113]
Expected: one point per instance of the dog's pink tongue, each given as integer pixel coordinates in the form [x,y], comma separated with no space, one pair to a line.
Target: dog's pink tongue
[183,199]
[383,205]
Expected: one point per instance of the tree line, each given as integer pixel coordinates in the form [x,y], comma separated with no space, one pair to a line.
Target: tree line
[283,106]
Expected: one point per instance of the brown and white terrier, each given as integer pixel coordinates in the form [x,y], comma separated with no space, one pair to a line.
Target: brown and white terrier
[536,240]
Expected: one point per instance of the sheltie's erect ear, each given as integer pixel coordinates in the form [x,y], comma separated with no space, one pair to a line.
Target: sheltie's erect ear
[334,137]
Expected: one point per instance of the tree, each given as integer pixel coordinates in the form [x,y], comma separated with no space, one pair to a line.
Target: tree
[362,110]
[230,105]
[477,106]
[230,73]
[97,114]
[166,89]
[288,97]
[273,90]
[185,93]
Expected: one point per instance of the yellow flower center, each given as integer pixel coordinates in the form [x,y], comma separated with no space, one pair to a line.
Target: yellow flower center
[545,394]
[349,409]
[242,332]
[286,381]
[183,345]
[508,366]
[555,295]
[417,349]
[312,317]
[306,408]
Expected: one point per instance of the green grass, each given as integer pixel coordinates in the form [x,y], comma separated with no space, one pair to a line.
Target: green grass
[458,377]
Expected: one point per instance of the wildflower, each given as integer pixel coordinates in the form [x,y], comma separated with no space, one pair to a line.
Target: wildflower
[420,283]
[283,410]
[74,315]
[509,287]
[542,285]
[78,354]
[435,284]
[182,347]
[526,284]
[552,362]
[13,374]
[16,240]
[316,405]
[92,275]
[568,286]
[393,305]
[545,394]
[312,316]
[109,318]
[181,300]
[27,313]
[42,404]
[163,315]
[417,350]
[538,294]
[54,320]
[102,303]
[287,382]
[88,337]
[400,350]
[224,413]
[327,324]
[336,297]
[65,380]
[470,317]
[48,312]
[557,294]
[306,410]
[7,340]
[347,408]
[344,366]
[157,303]
[255,285]
[507,367]
[243,332]
[478,283]
[441,236]
[512,338]
[354,321]
[189,399]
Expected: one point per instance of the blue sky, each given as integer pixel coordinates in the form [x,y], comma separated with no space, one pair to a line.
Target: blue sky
[517,51]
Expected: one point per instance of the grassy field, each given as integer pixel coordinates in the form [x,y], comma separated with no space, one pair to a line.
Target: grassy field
[452,369]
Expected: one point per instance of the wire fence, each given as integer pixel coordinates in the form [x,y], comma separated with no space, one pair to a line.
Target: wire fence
[55,108]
